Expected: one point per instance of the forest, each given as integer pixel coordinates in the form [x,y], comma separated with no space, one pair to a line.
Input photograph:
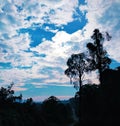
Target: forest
[93,104]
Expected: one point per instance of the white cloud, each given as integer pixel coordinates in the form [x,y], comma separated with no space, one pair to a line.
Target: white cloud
[15,88]
[14,13]
[14,48]
[103,14]
[14,75]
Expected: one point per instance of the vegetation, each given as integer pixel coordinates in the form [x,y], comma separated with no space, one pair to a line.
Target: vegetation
[98,58]
[97,104]
[13,112]
[92,104]
[76,67]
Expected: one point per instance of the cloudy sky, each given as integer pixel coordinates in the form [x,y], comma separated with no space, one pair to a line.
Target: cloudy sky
[38,36]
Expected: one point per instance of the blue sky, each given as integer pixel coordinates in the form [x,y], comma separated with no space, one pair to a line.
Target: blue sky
[38,36]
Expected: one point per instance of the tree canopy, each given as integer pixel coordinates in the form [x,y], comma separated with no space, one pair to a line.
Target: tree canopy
[98,57]
[76,67]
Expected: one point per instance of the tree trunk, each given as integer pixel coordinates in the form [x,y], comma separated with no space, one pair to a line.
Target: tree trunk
[80,98]
[99,64]
[98,53]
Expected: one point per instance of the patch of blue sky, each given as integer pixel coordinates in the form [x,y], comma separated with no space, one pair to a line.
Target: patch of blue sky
[79,22]
[16,57]
[1,80]
[34,80]
[47,91]
[51,26]
[24,67]
[115,8]
[5,65]
[46,69]
[50,70]
[19,8]
[29,18]
[11,19]
[35,53]
[2,26]
[114,64]
[82,2]
[3,47]
[37,35]
[5,35]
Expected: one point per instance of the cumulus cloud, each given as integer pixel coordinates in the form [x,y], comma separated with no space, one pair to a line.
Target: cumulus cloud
[16,15]
[105,16]
[38,11]
[15,88]
[50,62]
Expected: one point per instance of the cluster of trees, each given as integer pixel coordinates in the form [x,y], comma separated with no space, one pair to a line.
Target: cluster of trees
[7,95]
[100,105]
[92,105]
[97,104]
[97,59]
[14,111]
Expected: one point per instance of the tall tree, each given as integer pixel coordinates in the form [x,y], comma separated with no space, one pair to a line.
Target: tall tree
[76,67]
[6,94]
[75,71]
[98,56]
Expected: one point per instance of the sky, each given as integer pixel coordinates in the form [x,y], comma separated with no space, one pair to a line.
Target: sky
[38,36]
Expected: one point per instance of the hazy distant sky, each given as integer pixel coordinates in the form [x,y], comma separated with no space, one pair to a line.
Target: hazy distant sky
[38,36]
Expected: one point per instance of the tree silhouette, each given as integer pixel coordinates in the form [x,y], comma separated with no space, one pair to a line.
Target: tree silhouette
[56,113]
[98,56]
[76,67]
[75,71]
[6,94]
[17,98]
[29,101]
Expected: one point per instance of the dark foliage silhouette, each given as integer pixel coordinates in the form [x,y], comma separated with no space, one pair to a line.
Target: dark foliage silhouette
[97,104]
[98,58]
[56,113]
[76,67]
[6,94]
[52,112]
[101,104]
[92,104]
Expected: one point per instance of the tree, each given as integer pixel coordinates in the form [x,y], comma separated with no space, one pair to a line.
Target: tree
[56,112]
[17,98]
[98,56]
[29,101]
[6,94]
[75,71]
[76,67]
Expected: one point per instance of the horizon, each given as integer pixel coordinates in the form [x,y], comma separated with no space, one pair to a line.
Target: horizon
[37,38]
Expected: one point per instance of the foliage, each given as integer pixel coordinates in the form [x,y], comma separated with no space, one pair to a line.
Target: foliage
[6,94]
[100,105]
[93,104]
[29,101]
[55,112]
[98,58]
[52,112]
[76,67]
